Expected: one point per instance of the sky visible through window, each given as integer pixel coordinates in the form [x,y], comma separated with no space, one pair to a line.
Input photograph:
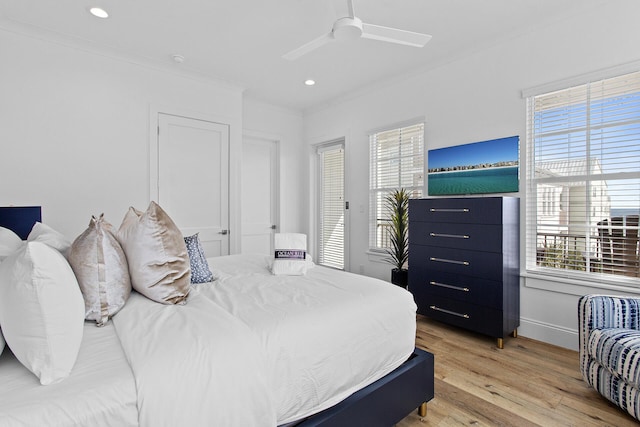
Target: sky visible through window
[614,141]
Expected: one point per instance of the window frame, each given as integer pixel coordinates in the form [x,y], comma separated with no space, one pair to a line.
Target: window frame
[532,206]
[417,190]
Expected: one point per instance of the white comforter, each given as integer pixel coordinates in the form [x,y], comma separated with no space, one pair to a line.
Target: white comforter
[326,334]
[249,349]
[194,365]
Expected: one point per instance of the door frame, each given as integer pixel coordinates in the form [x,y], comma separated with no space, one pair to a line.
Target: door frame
[316,170]
[234,200]
[278,190]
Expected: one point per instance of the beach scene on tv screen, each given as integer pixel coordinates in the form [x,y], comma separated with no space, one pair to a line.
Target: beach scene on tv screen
[475,168]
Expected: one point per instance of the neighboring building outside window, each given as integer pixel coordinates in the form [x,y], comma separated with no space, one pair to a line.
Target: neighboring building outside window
[583,180]
[396,161]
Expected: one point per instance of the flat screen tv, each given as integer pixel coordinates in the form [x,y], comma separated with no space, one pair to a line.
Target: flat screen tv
[476,168]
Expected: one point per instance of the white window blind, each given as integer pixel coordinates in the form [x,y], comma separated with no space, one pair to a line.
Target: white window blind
[331,221]
[397,161]
[583,180]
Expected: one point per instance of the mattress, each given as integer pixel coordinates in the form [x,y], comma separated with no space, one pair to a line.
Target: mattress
[326,334]
[99,392]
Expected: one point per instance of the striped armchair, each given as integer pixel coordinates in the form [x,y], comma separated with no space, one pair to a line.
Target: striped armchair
[609,333]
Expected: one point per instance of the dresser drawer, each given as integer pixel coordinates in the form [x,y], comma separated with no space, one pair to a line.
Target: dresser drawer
[487,265]
[473,317]
[485,210]
[424,283]
[481,237]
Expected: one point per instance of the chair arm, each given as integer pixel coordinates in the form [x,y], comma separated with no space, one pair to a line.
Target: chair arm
[604,311]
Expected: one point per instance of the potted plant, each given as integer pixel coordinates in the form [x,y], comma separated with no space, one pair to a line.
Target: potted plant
[397,204]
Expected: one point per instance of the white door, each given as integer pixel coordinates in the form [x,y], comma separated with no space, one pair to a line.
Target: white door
[193,178]
[259,194]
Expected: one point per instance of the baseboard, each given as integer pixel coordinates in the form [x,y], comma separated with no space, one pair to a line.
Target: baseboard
[549,333]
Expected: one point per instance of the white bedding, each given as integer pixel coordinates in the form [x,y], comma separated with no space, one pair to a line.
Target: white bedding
[249,349]
[99,392]
[326,334]
[194,364]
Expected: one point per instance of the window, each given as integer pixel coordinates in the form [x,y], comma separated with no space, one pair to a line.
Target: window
[583,180]
[397,161]
[331,219]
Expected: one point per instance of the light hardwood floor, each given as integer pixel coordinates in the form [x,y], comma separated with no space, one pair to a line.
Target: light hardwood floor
[528,383]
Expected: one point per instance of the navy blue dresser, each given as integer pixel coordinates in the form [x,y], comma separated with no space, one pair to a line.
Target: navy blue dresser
[464,262]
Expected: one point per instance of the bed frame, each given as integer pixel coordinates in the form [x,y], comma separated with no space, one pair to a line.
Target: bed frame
[385,402]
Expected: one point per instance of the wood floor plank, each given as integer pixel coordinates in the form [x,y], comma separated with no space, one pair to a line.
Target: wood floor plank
[528,383]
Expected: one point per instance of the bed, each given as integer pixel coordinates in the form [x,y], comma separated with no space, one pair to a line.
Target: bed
[249,348]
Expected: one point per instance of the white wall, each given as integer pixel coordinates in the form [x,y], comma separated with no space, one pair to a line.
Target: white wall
[75,131]
[285,126]
[474,99]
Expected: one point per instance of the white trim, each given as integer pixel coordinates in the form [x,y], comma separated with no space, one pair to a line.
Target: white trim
[377,256]
[575,286]
[604,73]
[549,333]
[398,125]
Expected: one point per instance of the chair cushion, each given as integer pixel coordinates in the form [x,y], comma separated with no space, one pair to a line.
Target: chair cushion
[614,388]
[618,349]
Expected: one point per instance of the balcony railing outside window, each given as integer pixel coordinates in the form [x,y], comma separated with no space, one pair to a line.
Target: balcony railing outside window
[613,250]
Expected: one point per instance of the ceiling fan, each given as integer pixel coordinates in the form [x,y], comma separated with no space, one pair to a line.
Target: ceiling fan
[352,27]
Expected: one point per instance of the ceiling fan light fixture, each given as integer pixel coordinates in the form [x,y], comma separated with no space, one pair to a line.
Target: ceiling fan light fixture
[99,12]
[347,28]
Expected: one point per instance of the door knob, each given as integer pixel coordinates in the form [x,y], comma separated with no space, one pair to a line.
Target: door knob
[223,232]
[273,227]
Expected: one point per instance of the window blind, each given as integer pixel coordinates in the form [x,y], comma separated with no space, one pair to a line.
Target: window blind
[583,179]
[396,161]
[331,221]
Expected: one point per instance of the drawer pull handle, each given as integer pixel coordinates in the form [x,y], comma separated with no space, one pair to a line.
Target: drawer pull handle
[452,236]
[433,307]
[450,261]
[448,210]
[444,285]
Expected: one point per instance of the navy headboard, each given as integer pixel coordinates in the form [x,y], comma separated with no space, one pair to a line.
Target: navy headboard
[20,219]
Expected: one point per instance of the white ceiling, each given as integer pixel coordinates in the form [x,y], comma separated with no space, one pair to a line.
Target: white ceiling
[242,41]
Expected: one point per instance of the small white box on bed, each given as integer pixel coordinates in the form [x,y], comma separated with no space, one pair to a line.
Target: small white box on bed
[290,254]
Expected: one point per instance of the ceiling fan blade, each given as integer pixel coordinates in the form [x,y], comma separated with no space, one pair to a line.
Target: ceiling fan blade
[394,35]
[306,48]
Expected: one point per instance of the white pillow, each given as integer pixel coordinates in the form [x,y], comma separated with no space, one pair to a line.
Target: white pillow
[45,234]
[9,242]
[41,311]
[101,268]
[156,254]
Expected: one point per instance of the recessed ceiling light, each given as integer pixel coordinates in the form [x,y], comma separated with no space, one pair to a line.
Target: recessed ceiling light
[98,12]
[309,82]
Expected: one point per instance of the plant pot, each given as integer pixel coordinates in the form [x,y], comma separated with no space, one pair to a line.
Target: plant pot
[400,277]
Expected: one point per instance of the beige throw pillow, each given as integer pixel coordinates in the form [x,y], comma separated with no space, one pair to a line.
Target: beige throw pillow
[157,255]
[101,268]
